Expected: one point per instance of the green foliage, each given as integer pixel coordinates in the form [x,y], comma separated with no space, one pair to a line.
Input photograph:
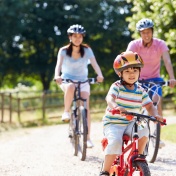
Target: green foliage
[163,13]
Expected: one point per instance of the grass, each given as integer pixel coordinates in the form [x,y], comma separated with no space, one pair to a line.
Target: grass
[168,133]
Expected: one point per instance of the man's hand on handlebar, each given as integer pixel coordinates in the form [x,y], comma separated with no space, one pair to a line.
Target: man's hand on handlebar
[172,83]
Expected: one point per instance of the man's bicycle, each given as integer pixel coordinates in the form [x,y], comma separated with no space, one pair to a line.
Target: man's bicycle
[130,162]
[155,128]
[78,128]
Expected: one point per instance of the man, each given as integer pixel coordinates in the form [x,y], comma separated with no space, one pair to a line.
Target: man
[152,50]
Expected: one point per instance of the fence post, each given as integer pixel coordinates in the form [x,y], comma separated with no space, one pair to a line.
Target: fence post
[43,105]
[18,111]
[10,107]
[2,107]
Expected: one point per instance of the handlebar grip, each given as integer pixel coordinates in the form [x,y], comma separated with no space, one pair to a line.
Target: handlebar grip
[114,111]
[163,122]
[92,80]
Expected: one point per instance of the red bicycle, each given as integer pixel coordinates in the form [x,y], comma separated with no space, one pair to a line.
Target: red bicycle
[130,162]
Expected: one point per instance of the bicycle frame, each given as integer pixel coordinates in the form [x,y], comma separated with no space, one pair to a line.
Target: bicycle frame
[133,161]
[76,103]
[78,122]
[132,148]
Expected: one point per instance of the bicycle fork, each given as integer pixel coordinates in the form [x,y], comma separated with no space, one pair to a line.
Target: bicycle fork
[133,157]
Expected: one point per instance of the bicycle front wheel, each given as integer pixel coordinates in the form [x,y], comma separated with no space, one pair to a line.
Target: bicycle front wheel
[140,169]
[73,135]
[154,140]
[83,131]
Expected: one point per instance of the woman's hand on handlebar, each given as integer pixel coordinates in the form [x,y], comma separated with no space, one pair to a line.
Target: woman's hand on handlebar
[58,80]
[100,79]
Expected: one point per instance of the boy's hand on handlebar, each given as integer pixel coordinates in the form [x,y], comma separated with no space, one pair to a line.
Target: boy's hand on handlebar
[100,79]
[118,110]
[159,118]
[122,110]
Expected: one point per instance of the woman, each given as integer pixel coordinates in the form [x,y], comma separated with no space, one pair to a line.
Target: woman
[72,61]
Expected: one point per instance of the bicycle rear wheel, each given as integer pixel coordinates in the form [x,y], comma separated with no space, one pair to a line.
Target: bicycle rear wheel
[83,131]
[152,146]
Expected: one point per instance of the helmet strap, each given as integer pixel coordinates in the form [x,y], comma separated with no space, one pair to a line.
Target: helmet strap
[125,83]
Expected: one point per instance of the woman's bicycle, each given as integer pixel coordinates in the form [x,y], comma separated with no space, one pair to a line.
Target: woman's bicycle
[78,128]
[152,147]
[130,162]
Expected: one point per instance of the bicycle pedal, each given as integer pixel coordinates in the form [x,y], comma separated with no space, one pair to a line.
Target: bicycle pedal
[70,136]
[141,156]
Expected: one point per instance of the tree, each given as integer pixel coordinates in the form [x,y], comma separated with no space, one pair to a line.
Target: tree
[39,30]
[163,13]
[10,64]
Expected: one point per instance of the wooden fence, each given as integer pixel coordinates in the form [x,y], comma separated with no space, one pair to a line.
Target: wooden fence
[15,103]
[12,103]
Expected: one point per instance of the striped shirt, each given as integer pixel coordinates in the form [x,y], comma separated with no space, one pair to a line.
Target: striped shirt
[131,100]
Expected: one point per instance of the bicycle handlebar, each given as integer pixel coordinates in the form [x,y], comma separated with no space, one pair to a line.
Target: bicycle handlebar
[161,83]
[130,115]
[89,80]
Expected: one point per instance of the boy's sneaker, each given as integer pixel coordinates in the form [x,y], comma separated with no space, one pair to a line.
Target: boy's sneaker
[89,144]
[66,117]
[161,144]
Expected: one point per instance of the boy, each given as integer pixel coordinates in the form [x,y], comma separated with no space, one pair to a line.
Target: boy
[125,95]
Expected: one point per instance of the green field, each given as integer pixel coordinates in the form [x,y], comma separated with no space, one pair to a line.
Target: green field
[168,133]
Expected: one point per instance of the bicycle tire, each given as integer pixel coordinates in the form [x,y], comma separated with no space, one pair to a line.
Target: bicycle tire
[83,128]
[72,134]
[152,146]
[140,168]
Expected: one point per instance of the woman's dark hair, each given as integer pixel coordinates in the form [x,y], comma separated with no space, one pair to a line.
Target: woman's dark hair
[69,49]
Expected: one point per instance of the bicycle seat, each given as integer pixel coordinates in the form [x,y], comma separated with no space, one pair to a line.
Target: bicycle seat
[126,138]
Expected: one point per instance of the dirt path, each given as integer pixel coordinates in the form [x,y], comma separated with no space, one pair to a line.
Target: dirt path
[46,151]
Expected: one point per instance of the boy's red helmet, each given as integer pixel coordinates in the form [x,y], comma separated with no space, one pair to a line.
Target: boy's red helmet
[126,60]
